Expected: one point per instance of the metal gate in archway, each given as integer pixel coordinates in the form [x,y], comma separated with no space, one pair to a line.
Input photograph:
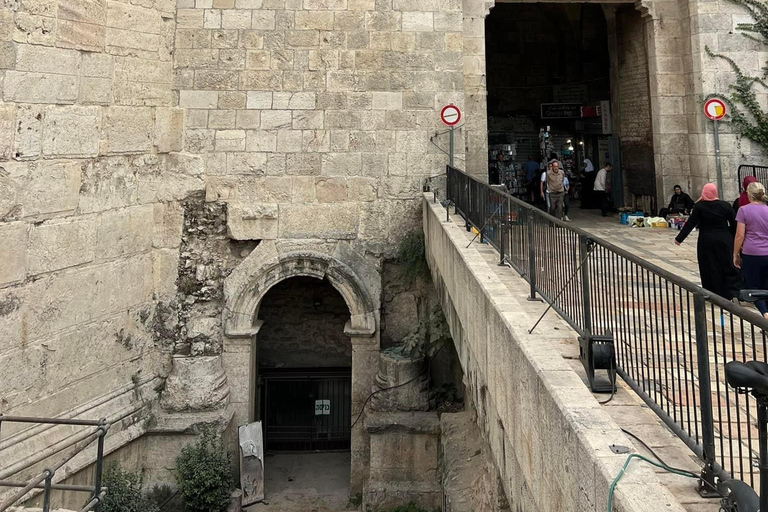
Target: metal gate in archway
[306,409]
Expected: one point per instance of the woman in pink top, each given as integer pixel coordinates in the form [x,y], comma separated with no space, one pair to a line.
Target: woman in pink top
[752,241]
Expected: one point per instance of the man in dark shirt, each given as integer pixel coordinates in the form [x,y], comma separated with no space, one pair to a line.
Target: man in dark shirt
[679,203]
[532,173]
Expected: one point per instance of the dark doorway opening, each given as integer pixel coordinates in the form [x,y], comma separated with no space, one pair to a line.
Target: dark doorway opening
[304,393]
[306,409]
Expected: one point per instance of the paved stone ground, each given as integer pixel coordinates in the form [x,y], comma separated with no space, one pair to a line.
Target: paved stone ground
[656,245]
[626,408]
[305,482]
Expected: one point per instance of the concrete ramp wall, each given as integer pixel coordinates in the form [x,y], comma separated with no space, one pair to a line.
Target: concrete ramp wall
[549,437]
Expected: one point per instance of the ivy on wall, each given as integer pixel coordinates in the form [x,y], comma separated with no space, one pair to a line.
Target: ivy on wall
[745,113]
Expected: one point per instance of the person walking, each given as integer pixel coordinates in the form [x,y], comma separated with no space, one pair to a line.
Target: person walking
[752,241]
[566,205]
[601,188]
[743,199]
[716,222]
[680,202]
[554,179]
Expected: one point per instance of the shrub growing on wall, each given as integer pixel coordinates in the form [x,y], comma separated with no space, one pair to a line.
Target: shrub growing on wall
[124,491]
[205,476]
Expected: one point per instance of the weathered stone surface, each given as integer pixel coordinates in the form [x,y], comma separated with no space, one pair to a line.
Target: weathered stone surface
[28,137]
[195,384]
[252,221]
[330,220]
[13,254]
[169,126]
[124,232]
[71,131]
[28,87]
[61,243]
[128,129]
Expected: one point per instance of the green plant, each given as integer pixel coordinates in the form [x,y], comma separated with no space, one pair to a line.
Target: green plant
[746,116]
[205,476]
[426,338]
[124,491]
[410,254]
[164,498]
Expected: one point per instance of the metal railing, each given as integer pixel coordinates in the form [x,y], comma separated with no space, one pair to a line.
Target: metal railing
[44,480]
[672,338]
[758,171]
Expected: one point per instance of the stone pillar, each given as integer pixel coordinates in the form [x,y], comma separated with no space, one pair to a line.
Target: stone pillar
[240,361]
[475,93]
[365,353]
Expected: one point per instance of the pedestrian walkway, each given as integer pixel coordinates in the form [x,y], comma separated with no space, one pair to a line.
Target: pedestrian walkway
[656,245]
[625,407]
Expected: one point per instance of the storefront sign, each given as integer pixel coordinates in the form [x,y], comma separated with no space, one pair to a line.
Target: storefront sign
[573,93]
[560,110]
[605,115]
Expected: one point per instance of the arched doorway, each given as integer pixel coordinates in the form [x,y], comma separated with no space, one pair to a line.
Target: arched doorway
[305,367]
[245,292]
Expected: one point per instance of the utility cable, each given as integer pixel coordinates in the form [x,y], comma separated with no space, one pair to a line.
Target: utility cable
[649,461]
[590,248]
[613,387]
[484,225]
[426,367]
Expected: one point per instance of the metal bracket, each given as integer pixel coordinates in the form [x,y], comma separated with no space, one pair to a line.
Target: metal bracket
[706,485]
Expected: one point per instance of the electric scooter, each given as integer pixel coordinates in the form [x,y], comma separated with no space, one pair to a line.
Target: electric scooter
[752,378]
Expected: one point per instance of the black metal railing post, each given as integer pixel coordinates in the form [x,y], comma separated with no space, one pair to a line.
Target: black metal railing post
[100,461]
[467,208]
[503,226]
[585,284]
[47,492]
[531,256]
[705,392]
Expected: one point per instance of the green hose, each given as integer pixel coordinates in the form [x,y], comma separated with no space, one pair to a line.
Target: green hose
[658,465]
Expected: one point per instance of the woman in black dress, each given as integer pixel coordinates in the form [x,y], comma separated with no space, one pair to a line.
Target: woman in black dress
[716,221]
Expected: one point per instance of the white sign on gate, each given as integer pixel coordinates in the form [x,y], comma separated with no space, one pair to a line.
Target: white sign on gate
[322,407]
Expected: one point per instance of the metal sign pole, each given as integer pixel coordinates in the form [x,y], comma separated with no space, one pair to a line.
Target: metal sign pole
[450,148]
[717,161]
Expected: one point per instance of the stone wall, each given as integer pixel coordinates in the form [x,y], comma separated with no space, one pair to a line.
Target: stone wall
[87,183]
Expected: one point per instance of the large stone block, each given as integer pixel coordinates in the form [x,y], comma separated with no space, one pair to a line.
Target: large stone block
[41,59]
[168,221]
[42,189]
[71,131]
[252,221]
[60,244]
[128,129]
[130,17]
[196,384]
[27,87]
[13,252]
[165,270]
[198,99]
[169,129]
[342,164]
[7,130]
[80,36]
[124,232]
[329,220]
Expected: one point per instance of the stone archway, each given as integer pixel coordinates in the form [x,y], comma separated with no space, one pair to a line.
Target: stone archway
[271,262]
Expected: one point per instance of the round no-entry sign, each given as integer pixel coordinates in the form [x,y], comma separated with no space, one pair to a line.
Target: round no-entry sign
[450,115]
[715,109]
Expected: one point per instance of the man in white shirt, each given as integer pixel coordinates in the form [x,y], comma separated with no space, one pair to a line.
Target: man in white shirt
[601,182]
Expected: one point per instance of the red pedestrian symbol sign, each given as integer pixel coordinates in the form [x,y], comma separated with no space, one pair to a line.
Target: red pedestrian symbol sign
[715,109]
[450,115]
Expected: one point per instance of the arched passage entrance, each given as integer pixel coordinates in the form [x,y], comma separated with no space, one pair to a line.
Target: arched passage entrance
[245,290]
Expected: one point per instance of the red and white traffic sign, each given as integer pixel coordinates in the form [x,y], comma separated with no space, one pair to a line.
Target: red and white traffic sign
[450,115]
[715,109]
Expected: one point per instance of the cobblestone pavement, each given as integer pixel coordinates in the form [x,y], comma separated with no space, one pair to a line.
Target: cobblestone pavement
[656,245]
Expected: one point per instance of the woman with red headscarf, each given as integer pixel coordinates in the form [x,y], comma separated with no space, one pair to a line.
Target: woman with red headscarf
[716,221]
[743,199]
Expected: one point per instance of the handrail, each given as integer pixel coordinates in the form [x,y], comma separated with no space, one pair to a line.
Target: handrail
[671,337]
[77,443]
